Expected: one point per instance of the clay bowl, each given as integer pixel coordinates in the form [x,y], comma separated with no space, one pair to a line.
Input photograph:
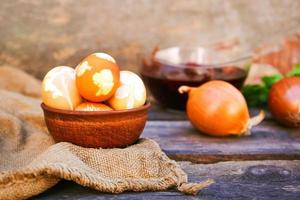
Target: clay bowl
[105,129]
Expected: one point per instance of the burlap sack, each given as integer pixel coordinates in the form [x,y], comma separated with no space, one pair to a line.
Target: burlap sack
[30,161]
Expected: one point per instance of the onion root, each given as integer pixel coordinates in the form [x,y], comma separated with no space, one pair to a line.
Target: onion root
[184,89]
[254,121]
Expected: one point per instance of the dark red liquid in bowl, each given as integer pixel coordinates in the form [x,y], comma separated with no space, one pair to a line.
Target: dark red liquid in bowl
[164,81]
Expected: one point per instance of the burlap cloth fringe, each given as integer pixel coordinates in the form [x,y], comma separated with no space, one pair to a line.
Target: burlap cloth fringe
[30,161]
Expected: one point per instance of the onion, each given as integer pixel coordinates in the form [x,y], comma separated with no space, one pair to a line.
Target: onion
[284,101]
[217,108]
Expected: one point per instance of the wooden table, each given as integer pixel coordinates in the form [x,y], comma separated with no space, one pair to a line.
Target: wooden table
[265,165]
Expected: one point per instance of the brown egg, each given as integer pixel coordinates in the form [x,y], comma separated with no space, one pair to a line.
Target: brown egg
[59,88]
[89,106]
[130,94]
[97,77]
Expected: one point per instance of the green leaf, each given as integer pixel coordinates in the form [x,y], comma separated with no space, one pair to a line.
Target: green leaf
[270,80]
[256,95]
[295,71]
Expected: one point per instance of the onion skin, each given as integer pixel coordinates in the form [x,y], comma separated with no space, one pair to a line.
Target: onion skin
[284,101]
[219,109]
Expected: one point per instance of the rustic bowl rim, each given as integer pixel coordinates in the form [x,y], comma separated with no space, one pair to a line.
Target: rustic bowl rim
[146,106]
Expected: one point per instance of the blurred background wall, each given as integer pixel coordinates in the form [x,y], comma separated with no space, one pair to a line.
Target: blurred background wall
[36,35]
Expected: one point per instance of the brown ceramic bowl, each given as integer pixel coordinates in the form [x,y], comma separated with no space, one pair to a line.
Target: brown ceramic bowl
[105,129]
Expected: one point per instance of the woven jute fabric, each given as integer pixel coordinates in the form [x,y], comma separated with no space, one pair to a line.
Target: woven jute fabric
[30,161]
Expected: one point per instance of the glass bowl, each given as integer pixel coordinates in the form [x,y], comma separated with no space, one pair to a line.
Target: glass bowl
[164,71]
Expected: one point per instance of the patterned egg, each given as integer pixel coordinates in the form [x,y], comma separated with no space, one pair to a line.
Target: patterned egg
[89,106]
[130,94]
[97,77]
[59,88]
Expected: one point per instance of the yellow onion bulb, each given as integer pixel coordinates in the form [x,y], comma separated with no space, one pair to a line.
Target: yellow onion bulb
[284,101]
[59,88]
[219,109]
[130,94]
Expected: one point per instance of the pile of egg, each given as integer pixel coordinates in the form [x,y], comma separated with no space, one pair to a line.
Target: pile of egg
[97,84]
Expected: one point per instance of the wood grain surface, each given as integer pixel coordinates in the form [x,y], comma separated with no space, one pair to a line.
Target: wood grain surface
[158,113]
[234,180]
[268,141]
[264,165]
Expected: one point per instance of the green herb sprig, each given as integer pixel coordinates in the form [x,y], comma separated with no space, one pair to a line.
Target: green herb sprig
[256,95]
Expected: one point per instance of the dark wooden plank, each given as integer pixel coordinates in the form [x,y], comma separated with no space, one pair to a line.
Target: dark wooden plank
[268,141]
[234,180]
[158,113]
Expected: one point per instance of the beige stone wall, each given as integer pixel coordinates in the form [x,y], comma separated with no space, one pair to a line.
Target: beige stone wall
[36,35]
